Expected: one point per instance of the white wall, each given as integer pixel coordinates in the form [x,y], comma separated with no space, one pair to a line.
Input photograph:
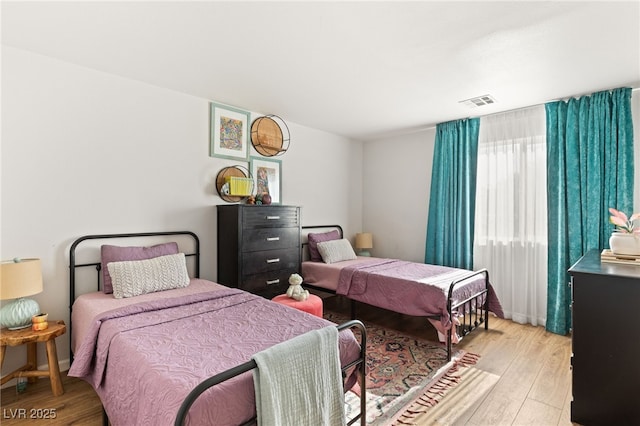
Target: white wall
[397,181]
[325,174]
[85,152]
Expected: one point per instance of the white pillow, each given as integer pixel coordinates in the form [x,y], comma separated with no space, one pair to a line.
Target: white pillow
[135,277]
[336,251]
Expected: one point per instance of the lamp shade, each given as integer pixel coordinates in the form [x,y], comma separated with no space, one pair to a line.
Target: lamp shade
[364,240]
[20,278]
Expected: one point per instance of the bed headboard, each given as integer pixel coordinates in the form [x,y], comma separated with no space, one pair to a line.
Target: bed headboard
[304,253]
[85,252]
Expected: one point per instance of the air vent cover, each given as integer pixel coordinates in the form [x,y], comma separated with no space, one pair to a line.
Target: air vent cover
[479,101]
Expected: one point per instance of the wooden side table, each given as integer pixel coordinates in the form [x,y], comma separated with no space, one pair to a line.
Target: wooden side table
[31,338]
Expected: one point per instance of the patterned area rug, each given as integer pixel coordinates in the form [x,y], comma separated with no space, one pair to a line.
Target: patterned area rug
[401,370]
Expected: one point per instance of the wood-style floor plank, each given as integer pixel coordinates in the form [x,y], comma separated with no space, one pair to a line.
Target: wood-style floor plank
[553,381]
[528,369]
[79,405]
[534,413]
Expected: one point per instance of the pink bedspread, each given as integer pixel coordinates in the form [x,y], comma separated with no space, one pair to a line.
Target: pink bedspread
[89,305]
[143,359]
[410,288]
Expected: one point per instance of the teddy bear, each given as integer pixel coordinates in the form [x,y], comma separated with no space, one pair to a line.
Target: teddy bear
[295,290]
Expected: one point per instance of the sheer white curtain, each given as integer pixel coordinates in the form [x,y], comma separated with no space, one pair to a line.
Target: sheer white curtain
[511,211]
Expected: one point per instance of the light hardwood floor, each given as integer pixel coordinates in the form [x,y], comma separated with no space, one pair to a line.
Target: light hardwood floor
[530,366]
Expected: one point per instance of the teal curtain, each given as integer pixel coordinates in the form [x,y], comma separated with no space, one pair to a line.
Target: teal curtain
[589,169]
[453,194]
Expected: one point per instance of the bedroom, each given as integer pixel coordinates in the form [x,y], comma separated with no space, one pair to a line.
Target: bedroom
[82,143]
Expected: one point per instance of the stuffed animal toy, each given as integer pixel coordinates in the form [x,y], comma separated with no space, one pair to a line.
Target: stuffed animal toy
[295,290]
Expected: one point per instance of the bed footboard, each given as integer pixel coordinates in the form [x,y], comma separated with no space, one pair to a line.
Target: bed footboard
[475,308]
[359,363]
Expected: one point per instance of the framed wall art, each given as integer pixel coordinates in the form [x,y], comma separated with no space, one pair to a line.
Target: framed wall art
[268,177]
[229,132]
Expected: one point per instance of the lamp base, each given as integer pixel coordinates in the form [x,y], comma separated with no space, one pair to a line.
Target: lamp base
[17,313]
[364,253]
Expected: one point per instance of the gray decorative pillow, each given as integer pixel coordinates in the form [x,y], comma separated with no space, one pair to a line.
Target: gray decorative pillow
[336,251]
[111,253]
[135,277]
[315,238]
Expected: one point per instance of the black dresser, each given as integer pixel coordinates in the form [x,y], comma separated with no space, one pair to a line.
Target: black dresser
[258,247]
[606,342]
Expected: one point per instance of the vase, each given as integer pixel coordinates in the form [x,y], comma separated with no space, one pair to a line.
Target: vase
[622,243]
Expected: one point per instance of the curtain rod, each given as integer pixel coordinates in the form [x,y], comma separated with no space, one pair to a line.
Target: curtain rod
[433,126]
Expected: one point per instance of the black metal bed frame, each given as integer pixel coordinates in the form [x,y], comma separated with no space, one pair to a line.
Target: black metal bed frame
[359,364]
[475,316]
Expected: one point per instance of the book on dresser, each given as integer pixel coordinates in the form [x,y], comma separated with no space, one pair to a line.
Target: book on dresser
[258,247]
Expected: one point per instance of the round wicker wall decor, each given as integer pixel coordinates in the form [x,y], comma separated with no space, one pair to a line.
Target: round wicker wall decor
[223,183]
[270,135]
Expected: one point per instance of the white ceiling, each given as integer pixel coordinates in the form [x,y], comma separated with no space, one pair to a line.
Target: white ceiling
[360,69]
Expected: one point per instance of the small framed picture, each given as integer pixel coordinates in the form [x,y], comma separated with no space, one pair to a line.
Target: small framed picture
[229,132]
[268,177]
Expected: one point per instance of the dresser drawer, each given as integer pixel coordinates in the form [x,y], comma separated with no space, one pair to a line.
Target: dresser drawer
[270,216]
[269,260]
[268,284]
[270,238]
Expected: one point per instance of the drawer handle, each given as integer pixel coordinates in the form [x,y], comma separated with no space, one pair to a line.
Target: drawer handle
[272,282]
[273,238]
[273,217]
[276,260]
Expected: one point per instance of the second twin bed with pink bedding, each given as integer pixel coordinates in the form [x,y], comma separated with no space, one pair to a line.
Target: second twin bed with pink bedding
[406,287]
[442,294]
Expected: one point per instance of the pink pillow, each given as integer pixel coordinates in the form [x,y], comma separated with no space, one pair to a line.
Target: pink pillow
[314,239]
[118,254]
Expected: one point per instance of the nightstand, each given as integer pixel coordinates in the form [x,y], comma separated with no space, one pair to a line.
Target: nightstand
[31,338]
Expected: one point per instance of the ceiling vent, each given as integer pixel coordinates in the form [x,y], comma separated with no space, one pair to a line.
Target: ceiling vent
[479,101]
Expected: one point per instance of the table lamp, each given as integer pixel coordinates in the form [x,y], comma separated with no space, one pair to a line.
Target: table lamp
[19,278]
[364,242]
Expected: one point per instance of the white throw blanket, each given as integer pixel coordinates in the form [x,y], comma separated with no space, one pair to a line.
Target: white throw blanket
[299,382]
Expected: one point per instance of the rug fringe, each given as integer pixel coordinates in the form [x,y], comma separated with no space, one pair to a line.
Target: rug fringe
[468,359]
[436,391]
[403,422]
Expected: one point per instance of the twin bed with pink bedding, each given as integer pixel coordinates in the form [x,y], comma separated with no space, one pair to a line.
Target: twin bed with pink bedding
[440,293]
[144,355]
